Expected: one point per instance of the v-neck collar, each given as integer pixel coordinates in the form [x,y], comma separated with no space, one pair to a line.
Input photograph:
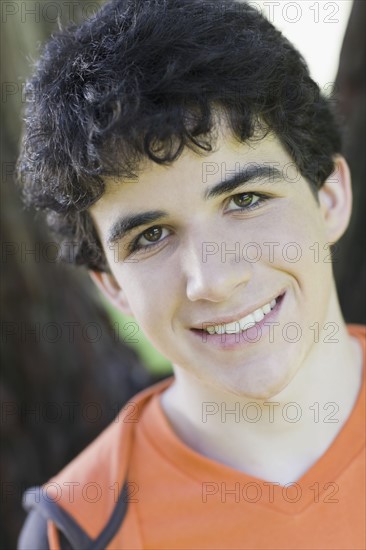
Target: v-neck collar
[318,483]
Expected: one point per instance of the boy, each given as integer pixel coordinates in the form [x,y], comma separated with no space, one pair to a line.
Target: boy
[185,150]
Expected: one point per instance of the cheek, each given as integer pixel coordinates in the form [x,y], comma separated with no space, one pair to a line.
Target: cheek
[292,236]
[150,290]
[304,254]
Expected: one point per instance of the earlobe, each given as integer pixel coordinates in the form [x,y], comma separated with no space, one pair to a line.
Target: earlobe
[335,198]
[110,288]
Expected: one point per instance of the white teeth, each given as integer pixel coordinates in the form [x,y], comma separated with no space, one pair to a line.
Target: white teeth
[243,324]
[232,328]
[258,315]
[247,322]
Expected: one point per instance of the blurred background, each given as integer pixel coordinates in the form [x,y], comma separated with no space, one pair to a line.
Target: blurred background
[69,360]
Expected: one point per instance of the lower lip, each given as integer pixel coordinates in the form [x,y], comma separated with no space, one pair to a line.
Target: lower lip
[243,338]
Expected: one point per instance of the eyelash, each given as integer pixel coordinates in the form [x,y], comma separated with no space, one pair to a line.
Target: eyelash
[133,246]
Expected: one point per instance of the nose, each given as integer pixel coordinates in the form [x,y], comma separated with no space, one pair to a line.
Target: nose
[215,270]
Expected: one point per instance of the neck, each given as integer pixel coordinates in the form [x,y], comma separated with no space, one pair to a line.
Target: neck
[281,437]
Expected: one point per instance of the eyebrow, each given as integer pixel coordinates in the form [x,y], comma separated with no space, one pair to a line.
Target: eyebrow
[260,172]
[265,173]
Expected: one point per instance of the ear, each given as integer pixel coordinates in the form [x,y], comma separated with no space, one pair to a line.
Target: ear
[335,199]
[109,287]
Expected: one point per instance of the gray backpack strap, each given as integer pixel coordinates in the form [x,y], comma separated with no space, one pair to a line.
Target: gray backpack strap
[35,499]
[115,521]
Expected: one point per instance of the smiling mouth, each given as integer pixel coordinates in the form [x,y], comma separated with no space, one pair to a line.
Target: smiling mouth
[240,325]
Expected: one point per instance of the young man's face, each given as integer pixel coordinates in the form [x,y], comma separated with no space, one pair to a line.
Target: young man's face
[210,257]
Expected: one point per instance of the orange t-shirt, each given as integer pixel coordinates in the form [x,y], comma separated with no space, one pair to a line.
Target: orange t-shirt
[182,500]
[186,500]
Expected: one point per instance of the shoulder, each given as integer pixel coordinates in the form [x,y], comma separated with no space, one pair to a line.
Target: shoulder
[49,525]
[34,534]
[359,331]
[88,497]
[358,335]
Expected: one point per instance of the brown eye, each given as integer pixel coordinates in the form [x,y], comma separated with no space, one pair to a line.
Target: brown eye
[149,238]
[243,199]
[153,234]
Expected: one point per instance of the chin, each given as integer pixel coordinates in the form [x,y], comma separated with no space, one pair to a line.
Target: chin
[256,394]
[259,389]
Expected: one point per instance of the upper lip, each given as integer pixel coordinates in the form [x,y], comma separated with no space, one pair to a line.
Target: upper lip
[236,317]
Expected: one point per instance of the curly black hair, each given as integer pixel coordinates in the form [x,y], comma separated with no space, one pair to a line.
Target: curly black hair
[141,79]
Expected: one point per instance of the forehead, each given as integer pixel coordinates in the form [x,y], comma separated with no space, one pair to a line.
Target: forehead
[228,156]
